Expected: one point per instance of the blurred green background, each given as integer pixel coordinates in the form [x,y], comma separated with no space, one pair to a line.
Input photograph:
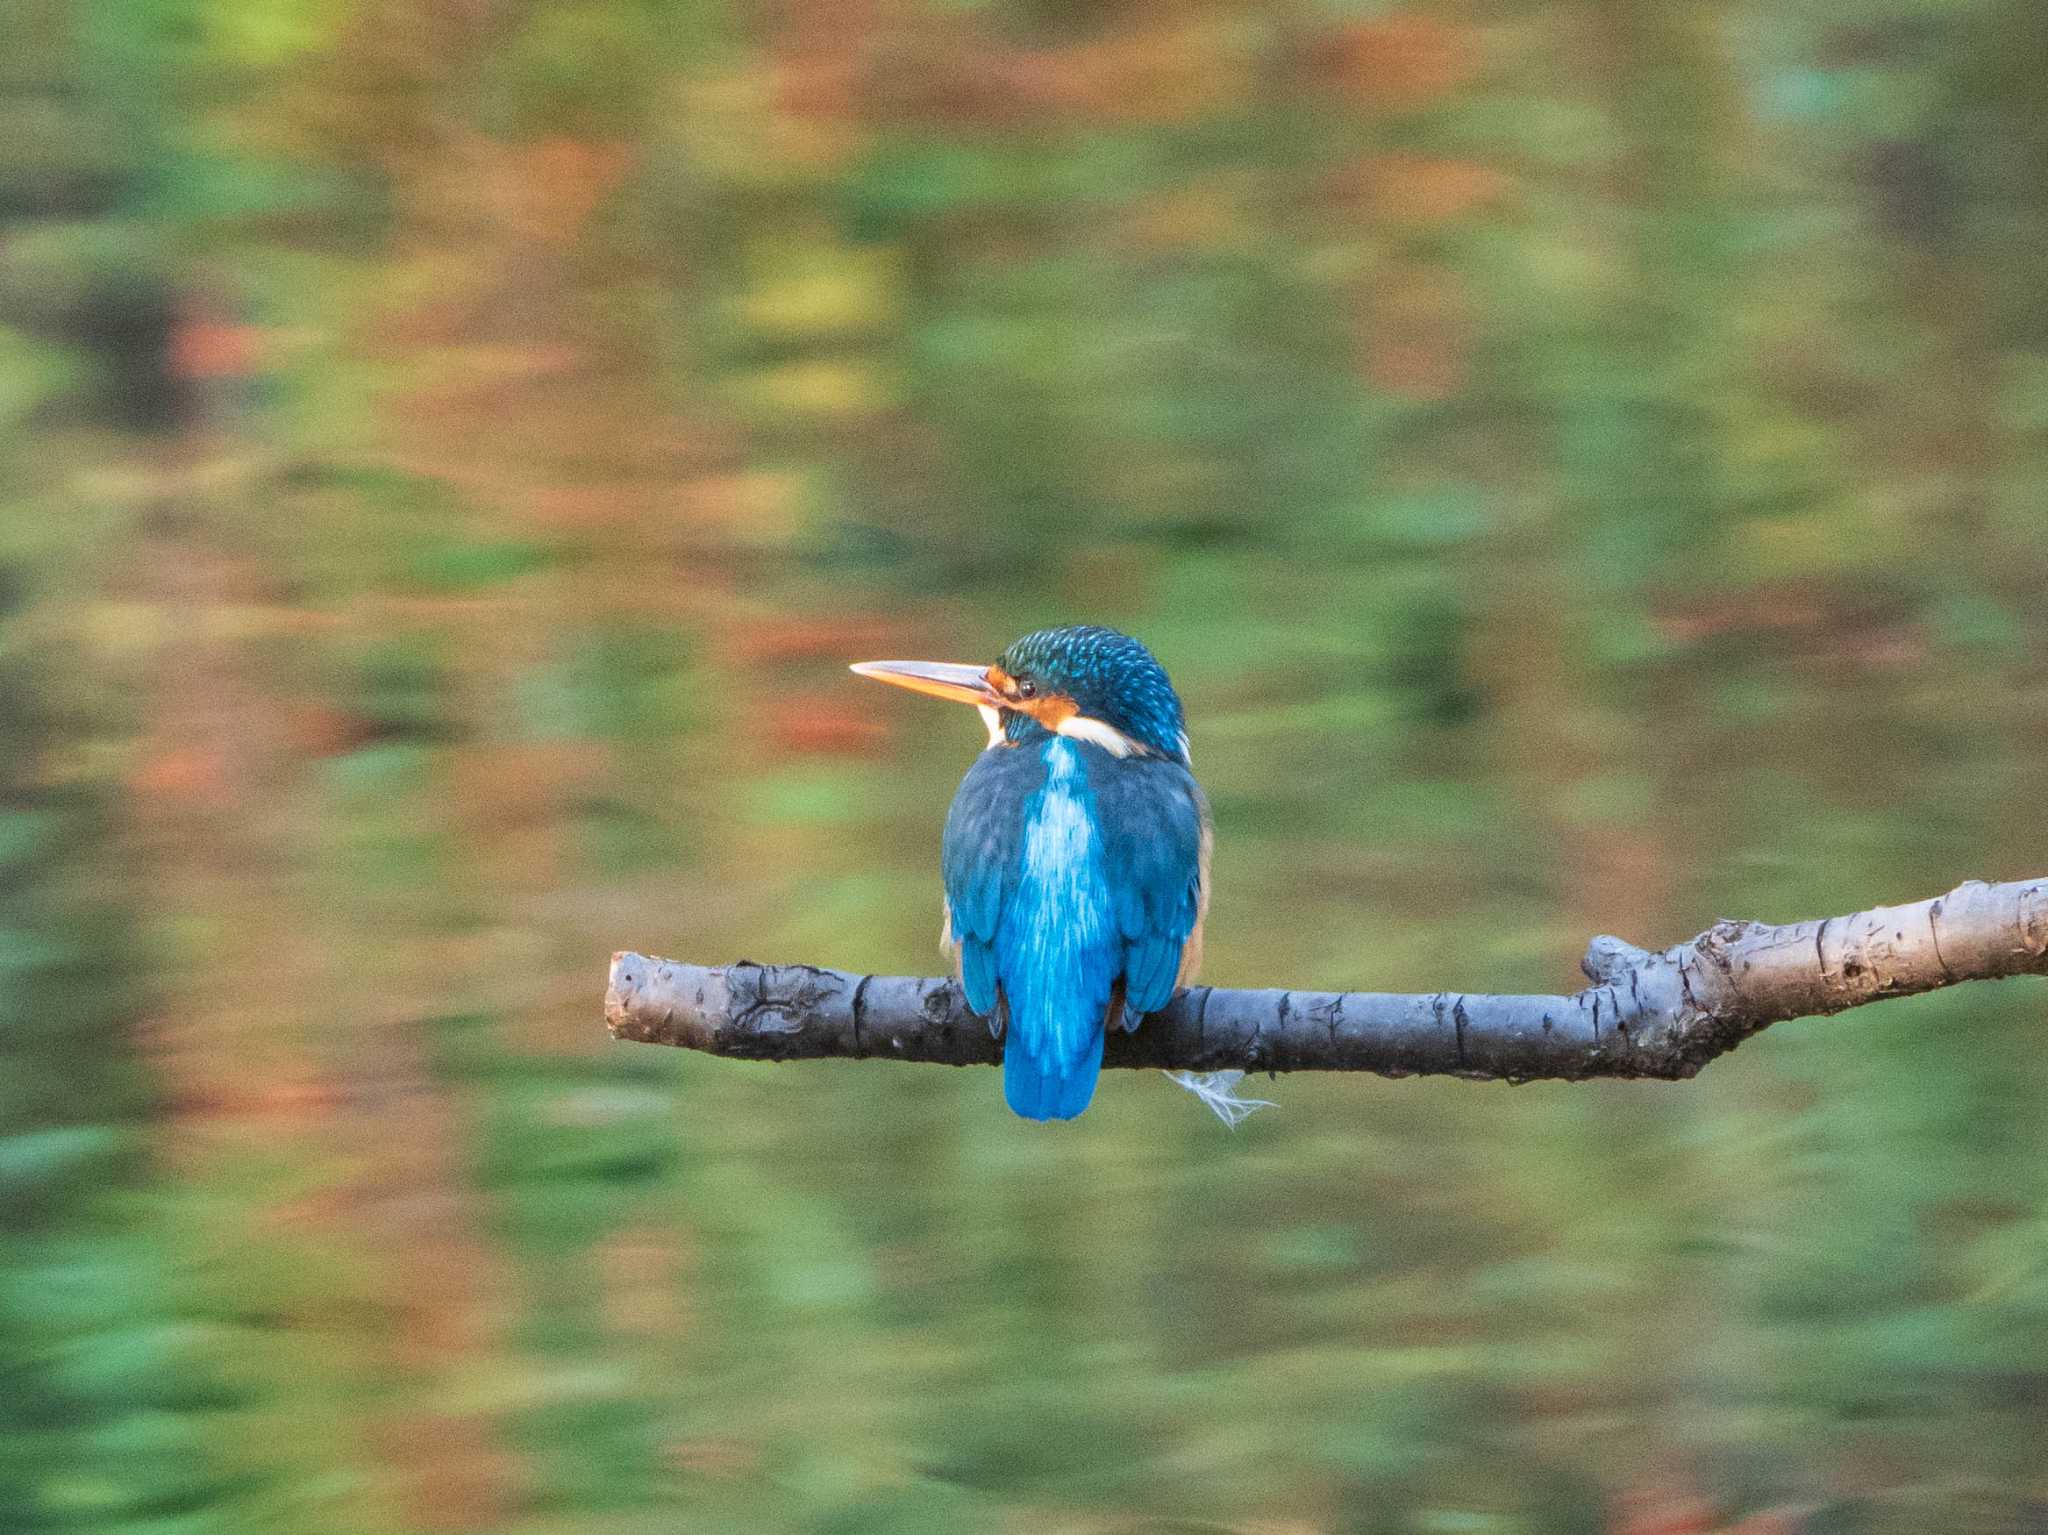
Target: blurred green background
[1582,462]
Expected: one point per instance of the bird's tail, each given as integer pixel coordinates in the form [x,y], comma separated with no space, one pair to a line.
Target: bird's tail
[1049,1072]
[1038,1087]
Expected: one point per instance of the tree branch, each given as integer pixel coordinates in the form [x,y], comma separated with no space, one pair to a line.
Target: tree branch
[1645,1015]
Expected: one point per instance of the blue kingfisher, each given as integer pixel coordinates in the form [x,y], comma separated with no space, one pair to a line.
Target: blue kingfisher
[1076,854]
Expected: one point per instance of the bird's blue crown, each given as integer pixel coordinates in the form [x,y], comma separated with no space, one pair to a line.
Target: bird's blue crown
[1110,677]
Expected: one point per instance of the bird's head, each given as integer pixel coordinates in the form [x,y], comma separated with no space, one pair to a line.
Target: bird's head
[1087,683]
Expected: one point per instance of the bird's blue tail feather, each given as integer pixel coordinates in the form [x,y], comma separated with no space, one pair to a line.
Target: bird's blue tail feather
[1047,1084]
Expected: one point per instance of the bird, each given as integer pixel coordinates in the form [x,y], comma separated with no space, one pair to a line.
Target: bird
[1075,857]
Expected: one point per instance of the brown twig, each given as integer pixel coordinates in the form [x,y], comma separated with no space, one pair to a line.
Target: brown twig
[1645,1014]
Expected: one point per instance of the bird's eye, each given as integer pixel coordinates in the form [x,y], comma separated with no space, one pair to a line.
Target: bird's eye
[1026,688]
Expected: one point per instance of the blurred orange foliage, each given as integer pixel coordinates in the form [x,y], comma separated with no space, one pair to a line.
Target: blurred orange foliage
[1149,75]
[818,725]
[568,180]
[1415,189]
[193,774]
[767,639]
[1398,63]
[206,348]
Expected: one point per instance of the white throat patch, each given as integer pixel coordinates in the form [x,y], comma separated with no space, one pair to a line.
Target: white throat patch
[1112,740]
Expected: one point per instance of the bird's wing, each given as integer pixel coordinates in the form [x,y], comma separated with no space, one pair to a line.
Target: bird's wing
[982,857]
[1154,825]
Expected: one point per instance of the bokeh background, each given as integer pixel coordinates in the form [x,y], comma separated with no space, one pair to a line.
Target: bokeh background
[1583,463]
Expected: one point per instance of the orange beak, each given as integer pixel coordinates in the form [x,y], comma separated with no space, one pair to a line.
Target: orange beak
[951,680]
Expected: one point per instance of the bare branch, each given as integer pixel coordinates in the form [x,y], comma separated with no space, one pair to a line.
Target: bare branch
[1645,1015]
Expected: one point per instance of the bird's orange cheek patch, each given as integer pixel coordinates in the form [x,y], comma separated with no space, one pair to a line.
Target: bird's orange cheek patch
[1051,711]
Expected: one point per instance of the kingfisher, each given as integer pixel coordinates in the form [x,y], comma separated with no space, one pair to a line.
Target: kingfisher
[1076,853]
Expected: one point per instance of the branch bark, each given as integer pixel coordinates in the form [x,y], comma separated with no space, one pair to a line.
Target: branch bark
[1662,1015]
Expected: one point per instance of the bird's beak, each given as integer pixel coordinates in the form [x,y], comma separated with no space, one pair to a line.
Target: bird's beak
[942,679]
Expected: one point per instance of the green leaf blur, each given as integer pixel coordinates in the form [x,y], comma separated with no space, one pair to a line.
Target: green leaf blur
[1583,464]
